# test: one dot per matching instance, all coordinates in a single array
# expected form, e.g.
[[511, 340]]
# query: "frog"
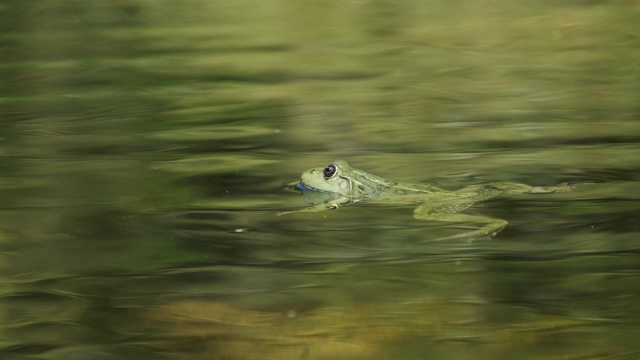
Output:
[[338, 184]]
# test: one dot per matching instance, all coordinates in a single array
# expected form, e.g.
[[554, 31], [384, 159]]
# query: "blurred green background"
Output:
[[145, 148]]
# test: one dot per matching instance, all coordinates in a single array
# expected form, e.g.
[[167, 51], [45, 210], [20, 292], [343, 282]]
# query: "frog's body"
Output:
[[344, 185]]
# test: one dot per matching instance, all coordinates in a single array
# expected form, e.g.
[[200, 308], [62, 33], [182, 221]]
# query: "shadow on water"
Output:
[[146, 147]]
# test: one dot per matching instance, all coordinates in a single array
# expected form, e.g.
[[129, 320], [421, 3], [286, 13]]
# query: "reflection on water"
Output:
[[146, 147]]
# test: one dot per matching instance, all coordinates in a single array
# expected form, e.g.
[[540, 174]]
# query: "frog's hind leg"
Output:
[[515, 188], [448, 210], [449, 213], [491, 226]]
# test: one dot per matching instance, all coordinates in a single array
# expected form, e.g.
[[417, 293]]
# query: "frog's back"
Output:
[[398, 189]]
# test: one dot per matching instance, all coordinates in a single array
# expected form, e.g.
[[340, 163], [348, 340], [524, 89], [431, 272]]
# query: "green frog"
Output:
[[339, 184]]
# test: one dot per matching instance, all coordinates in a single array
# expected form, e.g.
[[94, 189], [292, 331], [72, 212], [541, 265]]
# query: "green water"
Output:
[[145, 148]]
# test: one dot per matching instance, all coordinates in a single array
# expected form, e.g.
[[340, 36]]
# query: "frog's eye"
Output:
[[329, 171]]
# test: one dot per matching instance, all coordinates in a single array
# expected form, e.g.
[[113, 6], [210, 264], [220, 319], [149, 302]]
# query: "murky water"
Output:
[[145, 149]]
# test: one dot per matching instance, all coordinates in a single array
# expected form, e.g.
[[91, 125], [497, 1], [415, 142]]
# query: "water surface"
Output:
[[146, 147]]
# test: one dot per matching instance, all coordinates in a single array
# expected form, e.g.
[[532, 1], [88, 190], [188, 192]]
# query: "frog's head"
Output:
[[338, 178]]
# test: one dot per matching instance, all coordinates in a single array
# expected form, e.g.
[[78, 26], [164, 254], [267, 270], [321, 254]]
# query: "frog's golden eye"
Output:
[[329, 171]]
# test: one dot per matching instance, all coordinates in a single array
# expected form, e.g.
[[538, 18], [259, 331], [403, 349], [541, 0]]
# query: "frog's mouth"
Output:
[[304, 187]]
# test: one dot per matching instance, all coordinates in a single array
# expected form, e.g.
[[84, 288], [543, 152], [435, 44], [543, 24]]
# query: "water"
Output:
[[145, 149]]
